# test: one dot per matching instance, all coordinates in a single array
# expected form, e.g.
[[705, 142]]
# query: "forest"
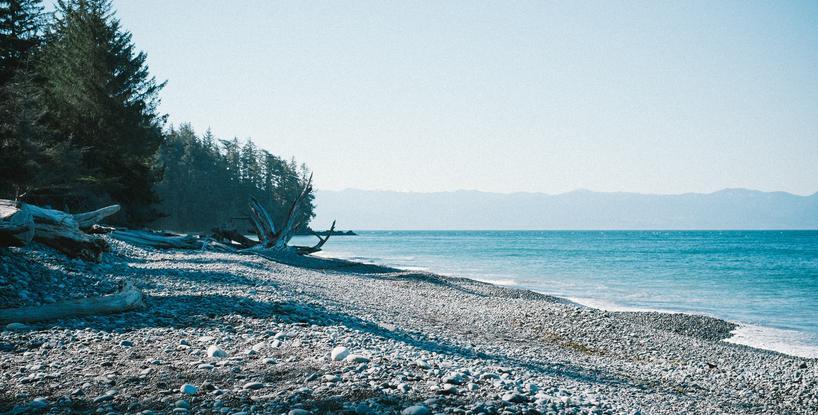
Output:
[[80, 127]]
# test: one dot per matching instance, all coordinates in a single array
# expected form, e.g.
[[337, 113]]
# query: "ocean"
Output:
[[765, 280]]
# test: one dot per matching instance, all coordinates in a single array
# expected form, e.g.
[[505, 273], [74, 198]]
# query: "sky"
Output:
[[507, 96]]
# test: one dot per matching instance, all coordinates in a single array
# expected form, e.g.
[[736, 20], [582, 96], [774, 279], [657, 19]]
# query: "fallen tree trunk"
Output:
[[16, 224], [61, 231], [231, 236], [20, 223], [270, 239], [158, 239], [306, 250], [88, 219], [129, 298]]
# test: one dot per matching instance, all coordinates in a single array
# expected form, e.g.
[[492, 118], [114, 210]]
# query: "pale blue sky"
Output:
[[656, 97]]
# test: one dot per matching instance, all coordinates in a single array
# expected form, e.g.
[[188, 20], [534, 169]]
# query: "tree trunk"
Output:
[[16, 224], [129, 298]]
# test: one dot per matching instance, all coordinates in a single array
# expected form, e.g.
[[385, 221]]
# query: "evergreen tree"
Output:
[[100, 95], [21, 24]]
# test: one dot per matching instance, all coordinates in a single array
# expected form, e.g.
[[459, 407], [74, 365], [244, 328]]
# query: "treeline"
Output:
[[80, 128], [208, 182]]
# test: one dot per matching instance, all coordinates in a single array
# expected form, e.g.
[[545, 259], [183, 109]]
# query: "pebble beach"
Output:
[[241, 334]]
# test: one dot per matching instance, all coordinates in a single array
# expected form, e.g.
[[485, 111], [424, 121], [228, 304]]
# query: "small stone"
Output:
[[126, 343], [339, 353], [332, 378], [39, 403], [258, 347], [253, 385], [416, 410], [205, 366], [268, 361], [447, 389], [188, 389], [182, 403], [215, 352], [514, 397], [184, 342], [299, 411], [453, 378], [422, 364], [356, 358]]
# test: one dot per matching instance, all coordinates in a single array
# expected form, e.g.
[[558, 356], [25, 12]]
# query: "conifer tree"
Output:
[[100, 95]]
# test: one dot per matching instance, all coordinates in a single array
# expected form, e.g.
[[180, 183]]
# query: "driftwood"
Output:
[[20, 223], [269, 238], [306, 250], [233, 237], [158, 239], [129, 298], [87, 220], [61, 231], [16, 224]]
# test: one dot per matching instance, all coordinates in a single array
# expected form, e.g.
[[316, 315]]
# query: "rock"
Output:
[[339, 353], [299, 412], [126, 343], [356, 358], [447, 389], [422, 364], [258, 347], [39, 404], [182, 403], [416, 410], [332, 378], [189, 389], [215, 352], [16, 326], [253, 385], [205, 366], [362, 409], [453, 378], [514, 397], [184, 342]]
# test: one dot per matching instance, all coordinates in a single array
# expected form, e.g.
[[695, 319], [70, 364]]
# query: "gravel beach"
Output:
[[240, 334]]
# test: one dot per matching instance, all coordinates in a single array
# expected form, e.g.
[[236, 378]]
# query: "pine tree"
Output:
[[100, 94], [21, 24]]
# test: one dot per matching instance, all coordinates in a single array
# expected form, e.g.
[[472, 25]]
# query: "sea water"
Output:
[[765, 280]]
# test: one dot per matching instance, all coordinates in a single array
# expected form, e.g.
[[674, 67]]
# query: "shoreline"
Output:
[[752, 335], [413, 339]]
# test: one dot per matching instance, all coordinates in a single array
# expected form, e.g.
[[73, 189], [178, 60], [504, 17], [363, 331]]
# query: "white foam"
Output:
[[505, 283], [785, 341], [791, 342]]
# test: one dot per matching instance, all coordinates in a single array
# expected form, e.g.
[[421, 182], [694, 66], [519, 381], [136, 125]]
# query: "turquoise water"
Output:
[[765, 279]]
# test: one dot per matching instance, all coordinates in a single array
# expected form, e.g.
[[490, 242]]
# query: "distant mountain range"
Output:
[[582, 209]]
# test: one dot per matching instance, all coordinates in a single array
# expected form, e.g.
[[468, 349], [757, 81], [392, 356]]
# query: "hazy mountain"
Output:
[[725, 209]]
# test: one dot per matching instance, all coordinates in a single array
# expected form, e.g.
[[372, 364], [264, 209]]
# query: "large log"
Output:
[[306, 250], [129, 298], [158, 240], [88, 219], [61, 231], [16, 224]]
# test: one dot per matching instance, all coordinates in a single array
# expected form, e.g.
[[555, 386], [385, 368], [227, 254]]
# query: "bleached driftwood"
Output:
[[233, 237], [306, 250], [129, 298], [158, 240], [88, 219], [20, 223], [61, 231], [16, 224], [269, 238]]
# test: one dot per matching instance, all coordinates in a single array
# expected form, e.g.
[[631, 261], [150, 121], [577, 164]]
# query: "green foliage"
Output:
[[207, 184], [79, 128], [99, 95]]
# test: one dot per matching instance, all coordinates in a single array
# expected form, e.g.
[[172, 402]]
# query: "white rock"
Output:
[[188, 389], [416, 410], [215, 352], [339, 353], [258, 347], [356, 358]]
